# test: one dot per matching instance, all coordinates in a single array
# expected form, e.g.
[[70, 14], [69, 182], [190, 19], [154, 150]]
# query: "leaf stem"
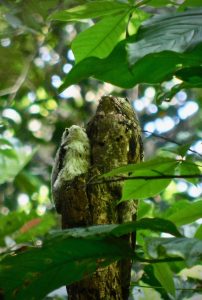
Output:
[[158, 177]]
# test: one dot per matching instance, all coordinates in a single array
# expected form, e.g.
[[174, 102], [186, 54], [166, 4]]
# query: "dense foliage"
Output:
[[57, 59]]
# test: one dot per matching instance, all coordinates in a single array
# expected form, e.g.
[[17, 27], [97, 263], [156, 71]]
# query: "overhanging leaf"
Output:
[[60, 262], [153, 224], [89, 10], [176, 32], [163, 66], [68, 256], [100, 39]]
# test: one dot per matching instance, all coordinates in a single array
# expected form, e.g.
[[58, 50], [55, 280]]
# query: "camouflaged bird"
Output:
[[72, 159]]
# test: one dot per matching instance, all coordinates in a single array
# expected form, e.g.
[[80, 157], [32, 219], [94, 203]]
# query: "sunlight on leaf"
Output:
[[100, 39]]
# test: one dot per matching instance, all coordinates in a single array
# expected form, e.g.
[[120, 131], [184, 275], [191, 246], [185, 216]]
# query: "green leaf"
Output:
[[192, 78], [153, 224], [164, 275], [163, 66], [144, 188], [188, 167], [198, 233], [100, 39], [68, 256], [59, 262], [136, 19], [192, 75], [152, 165], [192, 3], [163, 95], [103, 69], [188, 214], [176, 32], [189, 249], [90, 10], [175, 207], [150, 279], [145, 209]]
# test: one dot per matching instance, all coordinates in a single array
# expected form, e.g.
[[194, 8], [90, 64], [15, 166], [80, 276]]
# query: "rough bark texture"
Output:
[[115, 138]]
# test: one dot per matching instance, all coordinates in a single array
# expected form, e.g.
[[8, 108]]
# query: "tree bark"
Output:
[[115, 139]]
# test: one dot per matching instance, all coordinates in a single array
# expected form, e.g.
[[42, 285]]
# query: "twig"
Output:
[[171, 141], [165, 176], [153, 261], [160, 287]]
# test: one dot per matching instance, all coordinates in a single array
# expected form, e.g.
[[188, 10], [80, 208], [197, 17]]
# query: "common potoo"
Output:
[[72, 159]]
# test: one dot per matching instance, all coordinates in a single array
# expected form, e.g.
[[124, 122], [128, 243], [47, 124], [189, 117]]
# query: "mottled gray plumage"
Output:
[[72, 159]]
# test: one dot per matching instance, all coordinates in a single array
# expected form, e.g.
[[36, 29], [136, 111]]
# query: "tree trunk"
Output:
[[115, 139]]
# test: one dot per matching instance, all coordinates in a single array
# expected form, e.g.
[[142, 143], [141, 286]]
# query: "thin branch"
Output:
[[153, 261], [162, 177], [170, 140], [160, 287]]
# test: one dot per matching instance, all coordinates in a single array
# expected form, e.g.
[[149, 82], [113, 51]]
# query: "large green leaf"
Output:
[[90, 10], [67, 256], [189, 249], [144, 188], [143, 185], [151, 165], [62, 261], [13, 158], [164, 275], [100, 39], [176, 32], [154, 224], [188, 214], [163, 66]]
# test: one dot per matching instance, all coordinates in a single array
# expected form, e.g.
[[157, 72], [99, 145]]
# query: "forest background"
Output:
[[37, 57]]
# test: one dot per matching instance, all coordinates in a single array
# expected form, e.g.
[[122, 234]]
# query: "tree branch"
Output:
[[171, 141]]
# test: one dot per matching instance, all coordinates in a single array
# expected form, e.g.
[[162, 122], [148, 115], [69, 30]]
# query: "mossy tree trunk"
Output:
[[115, 138]]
